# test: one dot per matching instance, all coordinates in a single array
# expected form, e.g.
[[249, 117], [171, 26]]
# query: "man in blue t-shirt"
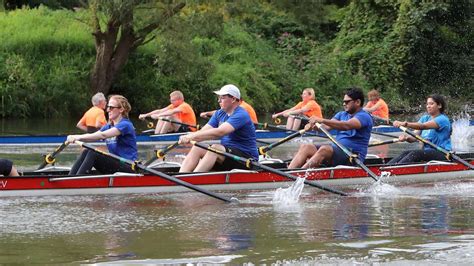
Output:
[[231, 124], [354, 126]]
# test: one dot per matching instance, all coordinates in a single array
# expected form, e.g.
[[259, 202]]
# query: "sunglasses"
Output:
[[112, 107], [347, 101]]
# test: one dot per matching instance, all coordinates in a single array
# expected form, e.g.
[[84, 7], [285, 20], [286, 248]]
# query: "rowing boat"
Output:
[[56, 181], [153, 139]]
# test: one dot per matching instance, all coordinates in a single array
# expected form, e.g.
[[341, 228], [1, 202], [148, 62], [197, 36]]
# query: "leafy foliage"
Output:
[[270, 49]]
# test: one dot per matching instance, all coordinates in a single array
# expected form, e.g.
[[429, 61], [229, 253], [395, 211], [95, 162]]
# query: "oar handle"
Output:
[[135, 165], [249, 162], [50, 158], [160, 154]]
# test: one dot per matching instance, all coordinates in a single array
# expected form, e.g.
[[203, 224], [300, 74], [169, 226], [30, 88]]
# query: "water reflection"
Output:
[[405, 225]]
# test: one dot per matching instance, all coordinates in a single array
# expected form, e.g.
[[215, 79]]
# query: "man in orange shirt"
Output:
[[178, 111], [94, 118], [376, 105], [243, 104], [307, 108]]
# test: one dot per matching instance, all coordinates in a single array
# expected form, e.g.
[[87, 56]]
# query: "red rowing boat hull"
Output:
[[50, 184]]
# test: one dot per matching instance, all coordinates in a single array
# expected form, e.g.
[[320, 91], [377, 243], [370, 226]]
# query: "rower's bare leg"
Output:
[[289, 122], [159, 126], [192, 159], [14, 172], [175, 127], [304, 152], [296, 124], [324, 153], [167, 127], [208, 161]]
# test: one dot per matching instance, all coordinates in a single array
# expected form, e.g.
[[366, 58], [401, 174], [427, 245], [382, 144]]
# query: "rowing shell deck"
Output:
[[57, 183]]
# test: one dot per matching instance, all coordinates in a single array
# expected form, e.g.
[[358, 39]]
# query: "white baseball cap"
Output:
[[229, 89]]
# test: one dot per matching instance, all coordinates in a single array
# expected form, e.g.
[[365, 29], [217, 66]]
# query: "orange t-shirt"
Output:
[[250, 110], [382, 111], [313, 108], [186, 114], [93, 116]]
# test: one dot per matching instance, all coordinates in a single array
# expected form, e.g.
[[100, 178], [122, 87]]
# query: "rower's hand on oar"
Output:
[[399, 123], [72, 138], [206, 115], [403, 137], [185, 139], [312, 122], [142, 116]]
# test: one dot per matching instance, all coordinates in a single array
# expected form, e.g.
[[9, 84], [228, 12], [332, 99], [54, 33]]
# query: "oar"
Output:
[[449, 154], [180, 123], [379, 143], [383, 134], [150, 124], [267, 126], [264, 149], [352, 157], [249, 162], [50, 158], [162, 152], [135, 165]]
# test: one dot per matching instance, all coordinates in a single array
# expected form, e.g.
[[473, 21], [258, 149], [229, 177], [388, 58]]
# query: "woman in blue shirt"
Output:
[[119, 135], [434, 127]]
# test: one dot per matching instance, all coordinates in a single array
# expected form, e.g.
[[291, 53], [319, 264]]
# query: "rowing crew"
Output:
[[233, 125]]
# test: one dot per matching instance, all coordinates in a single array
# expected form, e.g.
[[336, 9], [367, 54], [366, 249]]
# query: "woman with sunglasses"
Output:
[[433, 126], [119, 135]]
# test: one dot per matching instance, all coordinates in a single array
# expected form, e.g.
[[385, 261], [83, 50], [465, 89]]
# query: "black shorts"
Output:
[[229, 163], [183, 128], [5, 167], [338, 157]]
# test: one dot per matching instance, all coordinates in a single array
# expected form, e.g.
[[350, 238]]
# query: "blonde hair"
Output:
[[123, 102], [310, 91], [178, 94], [374, 93]]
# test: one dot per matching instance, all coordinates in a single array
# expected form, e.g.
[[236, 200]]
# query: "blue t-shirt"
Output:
[[125, 144], [243, 137], [440, 136], [357, 140]]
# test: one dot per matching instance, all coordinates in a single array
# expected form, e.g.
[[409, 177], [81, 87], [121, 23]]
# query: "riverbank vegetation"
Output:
[[270, 49]]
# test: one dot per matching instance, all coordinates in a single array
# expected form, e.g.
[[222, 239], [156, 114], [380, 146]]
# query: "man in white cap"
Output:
[[231, 124]]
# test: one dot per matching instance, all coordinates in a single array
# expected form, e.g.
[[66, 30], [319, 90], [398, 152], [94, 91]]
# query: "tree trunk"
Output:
[[112, 53], [111, 56]]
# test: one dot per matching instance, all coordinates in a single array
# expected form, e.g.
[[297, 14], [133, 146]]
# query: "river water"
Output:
[[424, 224]]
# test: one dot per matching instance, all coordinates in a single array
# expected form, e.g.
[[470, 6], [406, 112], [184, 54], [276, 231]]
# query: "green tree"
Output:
[[119, 27]]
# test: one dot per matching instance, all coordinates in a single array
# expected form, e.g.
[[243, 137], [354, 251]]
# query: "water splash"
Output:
[[290, 195], [462, 133], [381, 188]]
